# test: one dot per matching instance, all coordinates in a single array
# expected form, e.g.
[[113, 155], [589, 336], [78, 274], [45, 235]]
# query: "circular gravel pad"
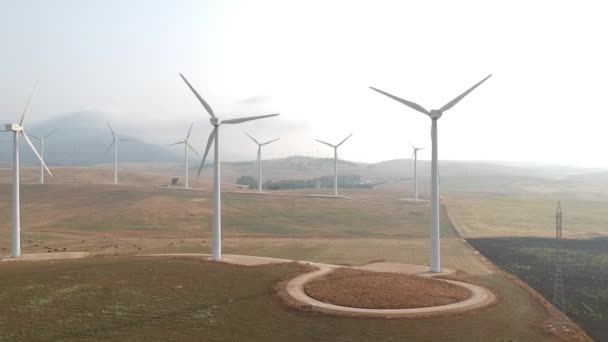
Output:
[[372, 290]]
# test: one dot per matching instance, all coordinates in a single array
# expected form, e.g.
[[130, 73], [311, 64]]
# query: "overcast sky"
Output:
[[313, 61]]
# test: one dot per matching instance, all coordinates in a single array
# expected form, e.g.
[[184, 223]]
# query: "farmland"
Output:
[[584, 265]]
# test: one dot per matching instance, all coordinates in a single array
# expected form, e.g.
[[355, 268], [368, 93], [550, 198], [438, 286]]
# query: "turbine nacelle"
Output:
[[435, 114], [215, 121], [14, 127]]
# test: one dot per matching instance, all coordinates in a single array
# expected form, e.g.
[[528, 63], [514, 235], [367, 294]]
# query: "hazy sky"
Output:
[[313, 61]]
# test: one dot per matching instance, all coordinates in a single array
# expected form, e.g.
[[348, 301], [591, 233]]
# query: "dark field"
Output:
[[585, 273], [170, 299]]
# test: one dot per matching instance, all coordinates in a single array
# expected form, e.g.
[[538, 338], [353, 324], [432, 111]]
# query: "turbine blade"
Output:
[[410, 104], [326, 143], [189, 131], [127, 140], [209, 142], [109, 147], [342, 142], [35, 137], [413, 154], [249, 118], [177, 143], [29, 142], [252, 138], [48, 135], [207, 106], [192, 149], [27, 105], [111, 130], [456, 100], [271, 141]]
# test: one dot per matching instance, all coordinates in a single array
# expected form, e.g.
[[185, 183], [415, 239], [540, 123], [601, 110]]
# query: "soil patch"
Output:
[[373, 290]]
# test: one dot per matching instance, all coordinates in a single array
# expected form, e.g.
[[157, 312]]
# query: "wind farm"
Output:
[[335, 147], [434, 115], [415, 158], [216, 122], [158, 225], [187, 147], [260, 179], [114, 145], [18, 129], [42, 141]]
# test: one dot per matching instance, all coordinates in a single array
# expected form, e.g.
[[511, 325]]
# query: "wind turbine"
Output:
[[214, 139], [42, 145], [18, 128], [186, 146], [114, 143], [335, 161], [415, 157], [260, 158], [434, 114]]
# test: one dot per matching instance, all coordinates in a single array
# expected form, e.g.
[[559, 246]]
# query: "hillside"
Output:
[[82, 138]]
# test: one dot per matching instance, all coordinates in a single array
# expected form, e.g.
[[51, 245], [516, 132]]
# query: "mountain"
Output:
[[82, 138]]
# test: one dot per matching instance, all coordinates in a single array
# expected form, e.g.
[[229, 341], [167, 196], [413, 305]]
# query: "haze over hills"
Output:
[[467, 176], [82, 138]]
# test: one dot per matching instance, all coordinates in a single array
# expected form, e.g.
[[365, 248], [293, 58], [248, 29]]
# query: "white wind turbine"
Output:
[[335, 161], [114, 143], [434, 114], [214, 139], [415, 157], [42, 146], [18, 128], [186, 146], [260, 158]]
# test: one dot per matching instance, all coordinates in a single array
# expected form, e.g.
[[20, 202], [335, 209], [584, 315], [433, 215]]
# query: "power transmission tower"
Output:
[[558, 221], [559, 298]]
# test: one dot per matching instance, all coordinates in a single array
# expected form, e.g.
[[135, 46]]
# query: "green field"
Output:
[[584, 265]]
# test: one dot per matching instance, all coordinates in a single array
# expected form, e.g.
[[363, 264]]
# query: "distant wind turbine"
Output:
[[214, 139], [434, 114], [260, 158], [114, 143], [186, 147], [42, 146], [335, 161], [16, 210], [415, 157]]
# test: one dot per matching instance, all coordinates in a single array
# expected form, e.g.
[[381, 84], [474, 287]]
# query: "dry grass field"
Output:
[[116, 222], [584, 216], [179, 299]]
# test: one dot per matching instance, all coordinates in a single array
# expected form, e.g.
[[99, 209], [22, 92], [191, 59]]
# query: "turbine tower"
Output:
[[42, 145], [434, 114], [114, 143], [260, 158], [415, 157], [214, 139], [335, 161], [18, 128], [186, 147]]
